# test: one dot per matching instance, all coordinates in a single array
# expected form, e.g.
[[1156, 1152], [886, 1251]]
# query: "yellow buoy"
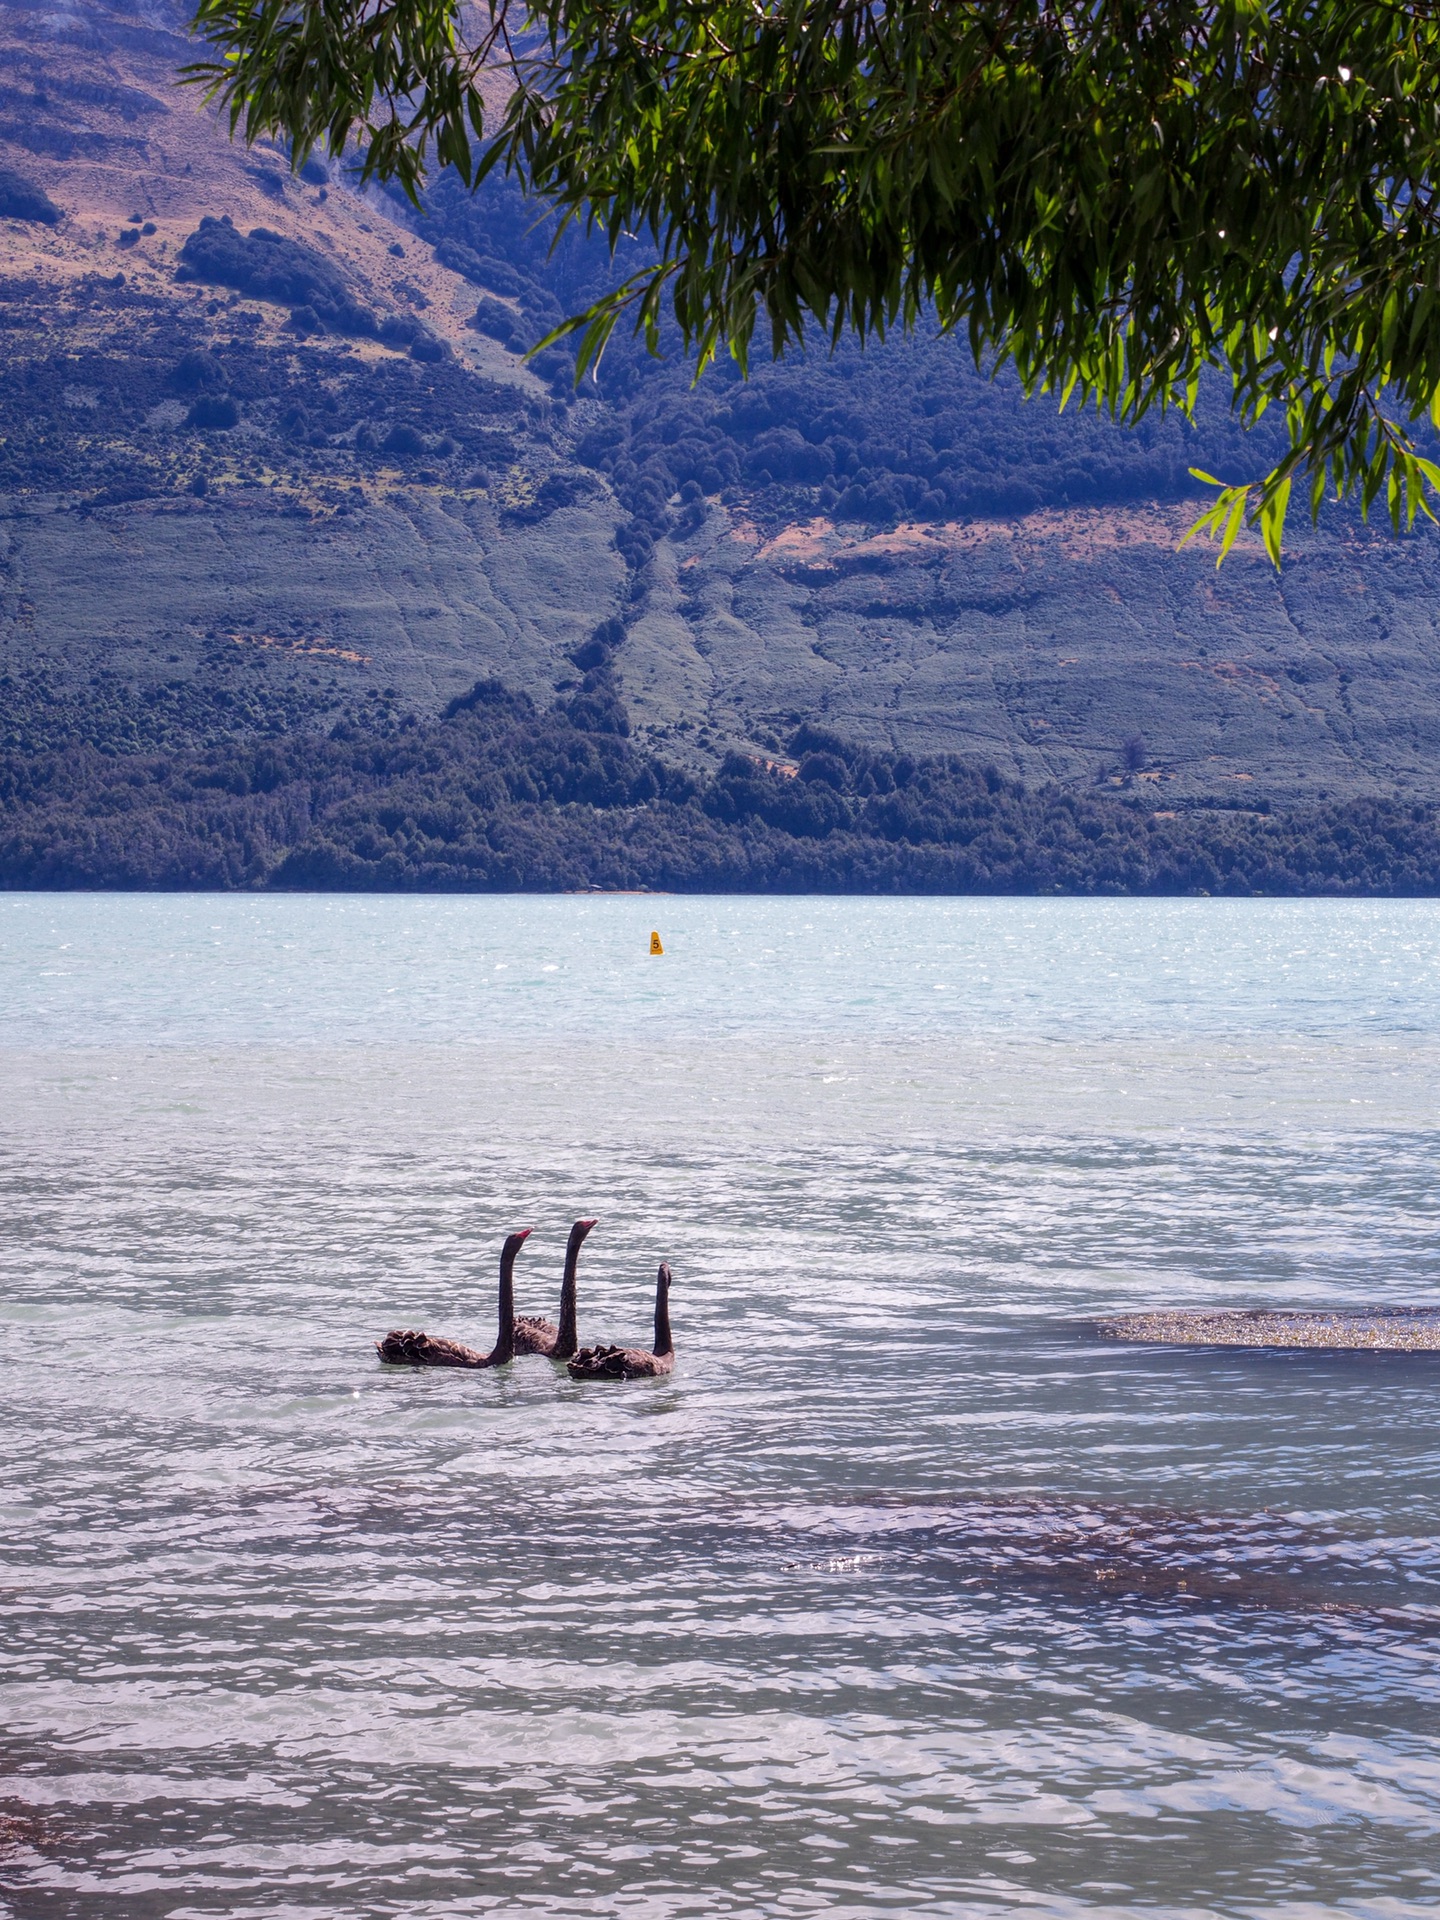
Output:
[[655, 946]]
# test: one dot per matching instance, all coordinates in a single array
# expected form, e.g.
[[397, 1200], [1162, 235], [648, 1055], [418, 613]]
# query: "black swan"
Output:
[[633, 1363], [543, 1336], [407, 1348]]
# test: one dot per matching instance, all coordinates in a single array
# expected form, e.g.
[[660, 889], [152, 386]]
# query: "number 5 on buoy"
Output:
[[655, 946]]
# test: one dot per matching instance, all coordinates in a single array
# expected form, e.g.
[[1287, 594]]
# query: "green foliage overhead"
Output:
[[1111, 197]]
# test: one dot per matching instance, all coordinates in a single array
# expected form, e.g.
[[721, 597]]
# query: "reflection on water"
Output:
[[904, 1593]]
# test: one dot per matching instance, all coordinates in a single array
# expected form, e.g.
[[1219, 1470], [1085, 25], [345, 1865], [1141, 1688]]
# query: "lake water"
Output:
[[904, 1595]]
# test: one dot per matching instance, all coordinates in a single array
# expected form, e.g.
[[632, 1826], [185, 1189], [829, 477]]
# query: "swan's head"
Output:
[[515, 1242], [579, 1231], [664, 1275]]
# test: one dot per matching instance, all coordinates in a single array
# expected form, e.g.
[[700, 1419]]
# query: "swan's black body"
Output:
[[633, 1363], [407, 1347]]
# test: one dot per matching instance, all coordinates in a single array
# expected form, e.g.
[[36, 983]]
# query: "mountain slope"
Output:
[[192, 470], [271, 462]]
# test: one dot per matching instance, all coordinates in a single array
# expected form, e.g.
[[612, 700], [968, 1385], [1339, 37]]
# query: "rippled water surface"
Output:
[[904, 1594]]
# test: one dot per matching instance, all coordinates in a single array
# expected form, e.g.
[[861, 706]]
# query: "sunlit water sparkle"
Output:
[[903, 1594]]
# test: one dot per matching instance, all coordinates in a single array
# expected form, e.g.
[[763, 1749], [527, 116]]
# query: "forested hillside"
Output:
[[496, 796], [904, 429]]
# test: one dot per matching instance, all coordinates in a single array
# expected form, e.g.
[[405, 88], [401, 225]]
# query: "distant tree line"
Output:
[[497, 795]]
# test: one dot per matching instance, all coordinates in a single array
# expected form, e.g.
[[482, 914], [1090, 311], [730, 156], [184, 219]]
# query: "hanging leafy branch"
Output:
[[1112, 197]]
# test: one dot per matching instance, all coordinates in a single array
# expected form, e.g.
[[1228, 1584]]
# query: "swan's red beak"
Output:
[[523, 1234]]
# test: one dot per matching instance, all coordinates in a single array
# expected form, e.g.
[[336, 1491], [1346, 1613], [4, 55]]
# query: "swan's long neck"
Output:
[[566, 1342], [663, 1343], [505, 1335]]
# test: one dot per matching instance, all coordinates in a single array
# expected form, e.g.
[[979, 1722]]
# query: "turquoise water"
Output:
[[903, 1594], [91, 969]]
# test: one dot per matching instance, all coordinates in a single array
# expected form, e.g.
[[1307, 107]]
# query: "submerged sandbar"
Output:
[[1375, 1329]]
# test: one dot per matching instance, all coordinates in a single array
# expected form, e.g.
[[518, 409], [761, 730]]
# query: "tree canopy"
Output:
[[1112, 197]]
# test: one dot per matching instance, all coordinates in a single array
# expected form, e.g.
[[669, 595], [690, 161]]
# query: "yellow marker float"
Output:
[[655, 946]]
